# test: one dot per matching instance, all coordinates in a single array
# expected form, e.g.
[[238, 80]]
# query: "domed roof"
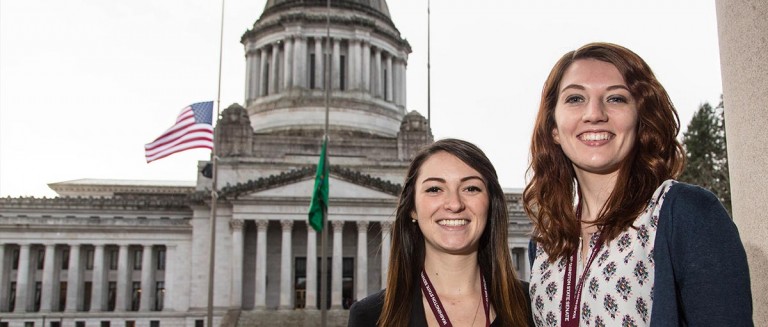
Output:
[[377, 7]]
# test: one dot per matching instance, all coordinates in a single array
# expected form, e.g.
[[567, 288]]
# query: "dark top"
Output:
[[365, 313], [701, 277]]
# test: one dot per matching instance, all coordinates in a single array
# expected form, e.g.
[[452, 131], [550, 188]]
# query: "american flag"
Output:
[[193, 129]]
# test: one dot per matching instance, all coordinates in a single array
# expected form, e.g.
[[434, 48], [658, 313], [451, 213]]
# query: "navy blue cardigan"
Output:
[[701, 272]]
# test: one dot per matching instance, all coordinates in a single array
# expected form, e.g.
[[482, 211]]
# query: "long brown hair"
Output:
[[407, 253], [656, 155]]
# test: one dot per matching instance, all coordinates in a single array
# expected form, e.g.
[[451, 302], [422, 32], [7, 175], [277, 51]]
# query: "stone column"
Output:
[[378, 82], [249, 82], [46, 296], [4, 282], [147, 282], [742, 28], [288, 63], [74, 280], [389, 78], [255, 75], [263, 84], [261, 264], [319, 72], [336, 265], [274, 77], [236, 226], [336, 64], [399, 81], [300, 62], [99, 284], [123, 282], [285, 265], [22, 279], [170, 302], [354, 57], [362, 260], [386, 236], [311, 291], [366, 66], [403, 84]]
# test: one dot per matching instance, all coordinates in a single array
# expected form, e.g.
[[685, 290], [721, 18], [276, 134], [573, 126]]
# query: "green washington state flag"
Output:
[[319, 204]]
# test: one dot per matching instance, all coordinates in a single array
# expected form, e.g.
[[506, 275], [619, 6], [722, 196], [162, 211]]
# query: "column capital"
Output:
[[147, 246], [386, 225], [236, 224], [286, 224], [338, 225], [362, 226], [262, 224]]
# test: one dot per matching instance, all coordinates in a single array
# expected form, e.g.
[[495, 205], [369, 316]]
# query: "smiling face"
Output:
[[451, 205], [595, 117]]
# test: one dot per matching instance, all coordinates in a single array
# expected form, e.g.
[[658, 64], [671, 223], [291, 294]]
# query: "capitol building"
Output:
[[118, 253]]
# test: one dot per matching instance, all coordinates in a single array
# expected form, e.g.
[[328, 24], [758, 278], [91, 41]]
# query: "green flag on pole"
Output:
[[319, 203]]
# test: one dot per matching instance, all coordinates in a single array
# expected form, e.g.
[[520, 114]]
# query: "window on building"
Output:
[[265, 87], [15, 263], [312, 71], [161, 259], [89, 259], [342, 72], [199, 323], [87, 289], [130, 323], [62, 295], [113, 259], [154, 323], [105, 323], [300, 282], [159, 295], [3, 324], [29, 324], [135, 296], [55, 323], [40, 258], [348, 282], [111, 296], [384, 82], [38, 293], [65, 259], [79, 323], [137, 259], [518, 256], [12, 297]]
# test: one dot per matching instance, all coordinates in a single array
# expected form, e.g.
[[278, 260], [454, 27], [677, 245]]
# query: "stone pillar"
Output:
[[311, 291], [300, 62], [249, 82], [236, 226], [288, 63], [389, 79], [378, 79], [147, 282], [74, 280], [319, 71], [354, 57], [285, 265], [742, 29], [4, 280], [47, 296], [386, 236], [169, 294], [263, 84], [255, 75], [99, 283], [261, 264], [123, 282], [403, 84], [362, 260], [336, 265], [274, 77], [336, 64], [22, 279], [366, 66]]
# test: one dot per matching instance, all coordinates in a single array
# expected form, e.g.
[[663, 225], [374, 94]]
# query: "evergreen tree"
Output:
[[707, 152]]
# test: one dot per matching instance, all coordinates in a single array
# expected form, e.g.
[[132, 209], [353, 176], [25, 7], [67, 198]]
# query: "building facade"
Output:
[[134, 253]]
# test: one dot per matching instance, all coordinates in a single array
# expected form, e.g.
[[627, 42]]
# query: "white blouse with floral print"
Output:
[[618, 290]]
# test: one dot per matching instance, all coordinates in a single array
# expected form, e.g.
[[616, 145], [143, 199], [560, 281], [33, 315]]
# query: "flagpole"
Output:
[[214, 192], [324, 232], [429, 91]]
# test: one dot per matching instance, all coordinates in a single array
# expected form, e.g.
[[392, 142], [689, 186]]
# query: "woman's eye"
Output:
[[432, 189], [473, 189], [617, 99], [574, 99]]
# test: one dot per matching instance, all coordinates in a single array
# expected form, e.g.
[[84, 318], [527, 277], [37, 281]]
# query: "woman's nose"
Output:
[[594, 112], [453, 202]]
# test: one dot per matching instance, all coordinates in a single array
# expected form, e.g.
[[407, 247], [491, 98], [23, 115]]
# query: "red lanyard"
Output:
[[437, 306], [571, 301]]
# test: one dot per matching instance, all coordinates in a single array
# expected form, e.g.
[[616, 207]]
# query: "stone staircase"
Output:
[[287, 318]]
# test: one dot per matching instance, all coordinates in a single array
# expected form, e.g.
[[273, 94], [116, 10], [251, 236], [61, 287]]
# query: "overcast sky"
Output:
[[84, 84]]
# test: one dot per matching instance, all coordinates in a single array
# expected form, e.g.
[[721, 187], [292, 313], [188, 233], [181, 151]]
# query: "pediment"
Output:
[[338, 189]]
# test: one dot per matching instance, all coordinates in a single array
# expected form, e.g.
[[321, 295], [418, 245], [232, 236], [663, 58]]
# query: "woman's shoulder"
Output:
[[366, 311], [687, 202]]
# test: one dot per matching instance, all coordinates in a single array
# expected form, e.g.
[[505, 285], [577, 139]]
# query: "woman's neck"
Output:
[[453, 275], [595, 190]]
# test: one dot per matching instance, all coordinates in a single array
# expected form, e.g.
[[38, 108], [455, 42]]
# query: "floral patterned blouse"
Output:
[[618, 290]]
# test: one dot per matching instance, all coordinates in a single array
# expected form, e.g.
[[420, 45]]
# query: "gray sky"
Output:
[[84, 84]]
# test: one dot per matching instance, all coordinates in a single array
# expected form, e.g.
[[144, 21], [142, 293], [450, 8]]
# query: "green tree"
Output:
[[707, 152]]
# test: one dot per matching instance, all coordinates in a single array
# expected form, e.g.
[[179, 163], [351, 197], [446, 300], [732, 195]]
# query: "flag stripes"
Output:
[[193, 129]]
